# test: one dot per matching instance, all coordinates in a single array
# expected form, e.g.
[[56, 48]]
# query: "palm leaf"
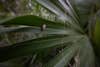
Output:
[[64, 57], [31, 21], [31, 46], [57, 34]]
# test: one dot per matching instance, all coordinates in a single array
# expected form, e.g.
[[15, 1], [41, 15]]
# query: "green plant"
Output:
[[69, 33]]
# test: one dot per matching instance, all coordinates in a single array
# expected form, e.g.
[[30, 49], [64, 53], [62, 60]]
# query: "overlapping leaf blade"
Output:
[[85, 59], [31, 20], [47, 31], [32, 46], [64, 57]]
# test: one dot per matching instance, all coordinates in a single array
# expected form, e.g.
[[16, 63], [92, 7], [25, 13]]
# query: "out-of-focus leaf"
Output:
[[83, 9], [86, 55], [96, 34], [97, 4]]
